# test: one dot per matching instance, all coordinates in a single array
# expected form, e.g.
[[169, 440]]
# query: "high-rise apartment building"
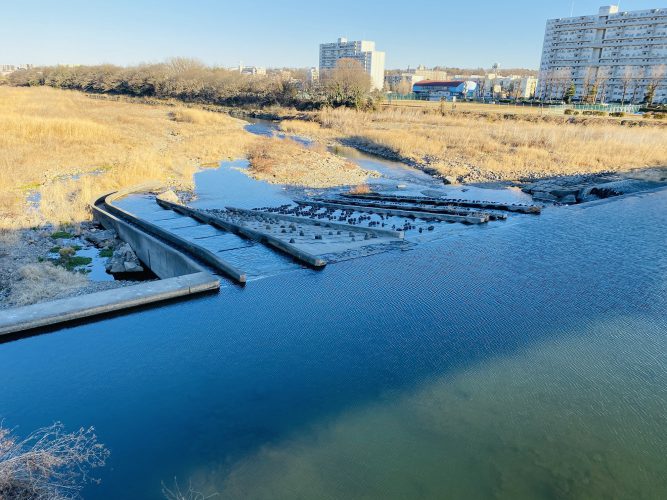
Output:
[[361, 50], [610, 57]]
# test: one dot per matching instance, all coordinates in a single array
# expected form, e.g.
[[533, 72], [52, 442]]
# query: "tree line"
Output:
[[189, 80]]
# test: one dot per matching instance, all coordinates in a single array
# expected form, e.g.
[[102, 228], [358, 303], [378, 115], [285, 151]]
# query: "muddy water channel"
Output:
[[523, 358]]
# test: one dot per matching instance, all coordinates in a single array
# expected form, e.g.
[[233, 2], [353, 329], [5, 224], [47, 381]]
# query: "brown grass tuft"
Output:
[[43, 281], [360, 189]]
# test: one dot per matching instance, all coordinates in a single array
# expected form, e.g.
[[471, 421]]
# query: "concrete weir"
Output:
[[489, 205], [465, 219], [267, 239], [305, 220], [182, 244]]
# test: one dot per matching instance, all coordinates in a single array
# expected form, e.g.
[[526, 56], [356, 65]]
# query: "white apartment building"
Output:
[[361, 50], [611, 57], [494, 86]]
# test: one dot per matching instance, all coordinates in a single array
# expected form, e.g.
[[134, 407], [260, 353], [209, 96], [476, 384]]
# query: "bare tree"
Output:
[[404, 87], [636, 84], [602, 81], [657, 76], [626, 79], [590, 85], [348, 84], [49, 464], [561, 79]]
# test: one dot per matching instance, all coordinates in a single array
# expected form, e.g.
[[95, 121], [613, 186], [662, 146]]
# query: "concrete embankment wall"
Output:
[[21, 319], [162, 259], [180, 276]]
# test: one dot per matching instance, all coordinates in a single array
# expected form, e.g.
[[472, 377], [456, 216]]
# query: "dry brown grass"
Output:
[[50, 135], [474, 107], [477, 147], [360, 189], [300, 127], [283, 161], [42, 281]]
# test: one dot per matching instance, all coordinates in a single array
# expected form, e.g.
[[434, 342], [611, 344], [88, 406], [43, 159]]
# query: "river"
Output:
[[524, 359]]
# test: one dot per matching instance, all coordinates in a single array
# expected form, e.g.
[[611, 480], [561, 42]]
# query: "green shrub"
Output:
[[75, 261], [106, 252], [591, 112], [617, 114], [62, 234]]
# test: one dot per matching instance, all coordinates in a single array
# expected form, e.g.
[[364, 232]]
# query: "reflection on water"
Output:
[[582, 417]]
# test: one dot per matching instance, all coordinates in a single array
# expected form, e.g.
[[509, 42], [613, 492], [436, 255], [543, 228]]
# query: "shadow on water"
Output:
[[355, 373]]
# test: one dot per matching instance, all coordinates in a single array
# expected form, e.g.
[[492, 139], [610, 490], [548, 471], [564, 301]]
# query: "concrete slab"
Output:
[[34, 316]]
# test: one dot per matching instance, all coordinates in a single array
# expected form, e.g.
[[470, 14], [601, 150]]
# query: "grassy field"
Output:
[[67, 148], [485, 147], [472, 107]]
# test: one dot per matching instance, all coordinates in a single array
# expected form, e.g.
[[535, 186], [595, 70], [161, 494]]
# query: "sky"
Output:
[[282, 33]]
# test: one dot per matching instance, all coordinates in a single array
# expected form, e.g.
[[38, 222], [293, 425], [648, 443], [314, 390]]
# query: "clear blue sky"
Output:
[[276, 33]]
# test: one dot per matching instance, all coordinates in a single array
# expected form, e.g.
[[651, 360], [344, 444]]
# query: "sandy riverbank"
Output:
[[283, 161]]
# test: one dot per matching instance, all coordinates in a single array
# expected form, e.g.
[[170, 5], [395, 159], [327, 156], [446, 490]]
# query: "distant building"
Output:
[[313, 75], [251, 70], [612, 56], [6, 69], [433, 90], [493, 86], [428, 74], [363, 51], [411, 76], [394, 81]]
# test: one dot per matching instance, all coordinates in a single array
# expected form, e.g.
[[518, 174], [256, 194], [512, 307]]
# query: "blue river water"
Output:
[[521, 360]]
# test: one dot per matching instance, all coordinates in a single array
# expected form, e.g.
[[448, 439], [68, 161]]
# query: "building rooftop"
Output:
[[437, 83]]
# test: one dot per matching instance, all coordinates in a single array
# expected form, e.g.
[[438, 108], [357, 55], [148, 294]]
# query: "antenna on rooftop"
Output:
[[572, 8]]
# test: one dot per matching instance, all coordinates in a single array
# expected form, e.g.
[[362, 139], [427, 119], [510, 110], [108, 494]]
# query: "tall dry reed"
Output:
[[64, 149]]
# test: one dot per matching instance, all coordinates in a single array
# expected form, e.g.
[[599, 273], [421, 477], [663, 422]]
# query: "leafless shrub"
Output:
[[49, 464], [175, 493]]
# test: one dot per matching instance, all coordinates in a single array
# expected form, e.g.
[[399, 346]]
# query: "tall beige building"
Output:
[[611, 57], [361, 50]]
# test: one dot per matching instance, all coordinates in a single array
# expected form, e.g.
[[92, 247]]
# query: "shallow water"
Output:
[[526, 359]]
